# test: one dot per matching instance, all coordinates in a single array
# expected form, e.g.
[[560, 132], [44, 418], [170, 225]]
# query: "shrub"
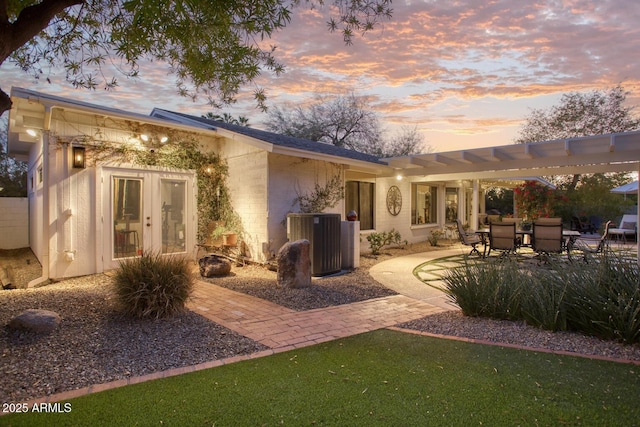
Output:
[[600, 298], [487, 289], [153, 285], [606, 300], [544, 302], [435, 236], [378, 240]]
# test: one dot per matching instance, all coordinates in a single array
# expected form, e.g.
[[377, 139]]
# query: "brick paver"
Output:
[[277, 327]]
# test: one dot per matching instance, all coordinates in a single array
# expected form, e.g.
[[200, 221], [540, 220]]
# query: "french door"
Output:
[[146, 211]]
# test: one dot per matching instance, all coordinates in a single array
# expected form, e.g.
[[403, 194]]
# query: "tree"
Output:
[[343, 121], [577, 115], [581, 114], [13, 173], [407, 141], [227, 118], [214, 47]]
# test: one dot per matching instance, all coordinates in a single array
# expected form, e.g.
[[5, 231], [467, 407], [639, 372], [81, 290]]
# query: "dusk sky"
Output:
[[465, 73]]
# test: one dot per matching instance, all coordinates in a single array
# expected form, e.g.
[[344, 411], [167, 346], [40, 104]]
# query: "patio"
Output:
[[433, 270]]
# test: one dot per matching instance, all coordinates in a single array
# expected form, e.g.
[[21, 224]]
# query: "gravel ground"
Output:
[[96, 344]]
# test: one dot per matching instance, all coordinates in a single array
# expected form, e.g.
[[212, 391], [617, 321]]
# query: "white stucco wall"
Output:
[[14, 222], [384, 221], [247, 183], [35, 193], [290, 177], [72, 210]]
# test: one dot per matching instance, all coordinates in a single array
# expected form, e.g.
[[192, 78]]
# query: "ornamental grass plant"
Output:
[[486, 289], [599, 298], [153, 285]]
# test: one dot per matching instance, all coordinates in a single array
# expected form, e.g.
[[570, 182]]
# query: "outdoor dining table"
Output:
[[571, 235]]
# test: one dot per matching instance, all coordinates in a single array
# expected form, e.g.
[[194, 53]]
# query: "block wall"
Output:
[[289, 178], [247, 181], [14, 222]]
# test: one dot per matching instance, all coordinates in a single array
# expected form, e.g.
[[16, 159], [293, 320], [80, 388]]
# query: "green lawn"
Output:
[[379, 378]]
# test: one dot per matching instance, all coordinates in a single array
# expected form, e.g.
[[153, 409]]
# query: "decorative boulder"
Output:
[[40, 321], [213, 265], [294, 264]]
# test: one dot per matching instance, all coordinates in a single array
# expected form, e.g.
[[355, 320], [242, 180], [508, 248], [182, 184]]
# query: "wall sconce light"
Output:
[[78, 157], [164, 139], [144, 137], [32, 132]]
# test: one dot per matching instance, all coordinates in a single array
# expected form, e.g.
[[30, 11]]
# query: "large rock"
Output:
[[294, 264], [213, 265], [40, 321]]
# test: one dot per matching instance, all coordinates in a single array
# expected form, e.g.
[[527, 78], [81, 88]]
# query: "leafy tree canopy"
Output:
[[581, 114], [213, 47], [13, 173], [584, 114], [344, 121]]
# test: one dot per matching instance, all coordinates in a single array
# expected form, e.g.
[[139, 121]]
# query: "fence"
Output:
[[14, 222]]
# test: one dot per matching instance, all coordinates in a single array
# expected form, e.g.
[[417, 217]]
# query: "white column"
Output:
[[475, 205]]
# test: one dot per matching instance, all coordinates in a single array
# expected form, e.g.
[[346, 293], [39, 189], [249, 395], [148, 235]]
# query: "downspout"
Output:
[[45, 202]]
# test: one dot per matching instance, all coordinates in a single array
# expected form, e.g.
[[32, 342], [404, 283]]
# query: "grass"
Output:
[[379, 378]]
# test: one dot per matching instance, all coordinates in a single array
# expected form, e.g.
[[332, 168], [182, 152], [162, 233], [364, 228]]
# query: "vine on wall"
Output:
[[323, 196], [181, 152]]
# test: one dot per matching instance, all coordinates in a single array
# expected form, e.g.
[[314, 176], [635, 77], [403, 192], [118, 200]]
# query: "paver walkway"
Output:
[[278, 327]]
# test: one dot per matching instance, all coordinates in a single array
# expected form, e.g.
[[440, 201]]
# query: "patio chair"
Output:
[[581, 226], [470, 239], [628, 227], [583, 245], [547, 238], [554, 220], [502, 237], [518, 223]]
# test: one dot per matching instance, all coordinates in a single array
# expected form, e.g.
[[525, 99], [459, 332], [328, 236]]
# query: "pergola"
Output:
[[618, 152]]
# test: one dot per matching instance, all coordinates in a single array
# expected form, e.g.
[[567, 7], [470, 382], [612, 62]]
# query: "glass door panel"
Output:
[[127, 217], [173, 198]]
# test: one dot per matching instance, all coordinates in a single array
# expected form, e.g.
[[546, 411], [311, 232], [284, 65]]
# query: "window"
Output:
[[127, 199], [424, 204], [359, 198], [173, 194], [451, 201]]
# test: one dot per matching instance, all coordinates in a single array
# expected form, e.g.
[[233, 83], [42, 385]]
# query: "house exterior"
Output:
[[86, 217], [90, 208]]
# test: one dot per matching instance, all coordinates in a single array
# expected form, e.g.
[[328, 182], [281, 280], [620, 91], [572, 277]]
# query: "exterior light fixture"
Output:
[[78, 157], [399, 177], [164, 139], [144, 137], [32, 132]]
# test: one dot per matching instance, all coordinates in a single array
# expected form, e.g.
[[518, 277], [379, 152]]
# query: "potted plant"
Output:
[[224, 235]]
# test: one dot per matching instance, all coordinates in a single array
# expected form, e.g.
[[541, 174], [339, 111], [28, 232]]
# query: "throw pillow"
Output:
[[628, 225]]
